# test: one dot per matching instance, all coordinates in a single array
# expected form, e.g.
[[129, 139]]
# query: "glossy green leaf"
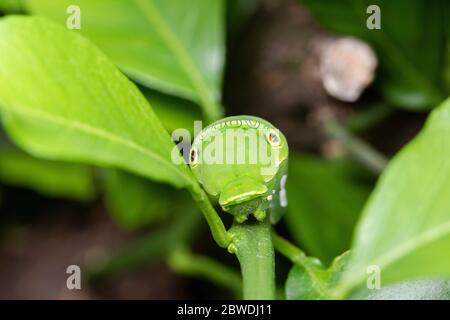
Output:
[[405, 227], [447, 32], [174, 46], [408, 27], [174, 113], [325, 199], [311, 281], [306, 283], [61, 98], [409, 290], [51, 178], [11, 5], [135, 202]]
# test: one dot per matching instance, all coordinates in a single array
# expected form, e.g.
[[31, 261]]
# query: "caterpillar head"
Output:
[[239, 160]]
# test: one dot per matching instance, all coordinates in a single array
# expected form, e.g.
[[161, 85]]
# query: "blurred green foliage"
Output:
[[177, 48], [11, 6], [116, 126], [238, 12], [50, 178], [135, 202], [405, 226], [325, 200], [174, 112], [410, 45]]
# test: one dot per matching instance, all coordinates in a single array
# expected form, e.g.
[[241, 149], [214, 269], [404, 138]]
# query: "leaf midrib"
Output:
[[154, 18], [406, 247], [301, 261], [401, 251]]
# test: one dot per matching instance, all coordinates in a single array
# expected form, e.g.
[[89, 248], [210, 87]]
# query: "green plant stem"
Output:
[[252, 244], [152, 248], [216, 225], [361, 151], [299, 258], [211, 109], [290, 251], [186, 263]]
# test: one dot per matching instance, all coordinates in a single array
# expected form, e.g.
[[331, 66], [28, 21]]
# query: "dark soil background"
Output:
[[270, 74]]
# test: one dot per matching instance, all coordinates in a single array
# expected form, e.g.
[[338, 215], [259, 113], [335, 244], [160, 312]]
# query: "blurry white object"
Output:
[[347, 67]]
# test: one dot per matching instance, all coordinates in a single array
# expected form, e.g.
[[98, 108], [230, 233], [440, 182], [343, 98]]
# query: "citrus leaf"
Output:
[[325, 199], [173, 46], [50, 178], [405, 227], [61, 98], [174, 113], [135, 202], [311, 281], [11, 5], [426, 289]]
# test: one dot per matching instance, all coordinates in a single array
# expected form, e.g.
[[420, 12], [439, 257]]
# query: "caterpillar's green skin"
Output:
[[243, 188]]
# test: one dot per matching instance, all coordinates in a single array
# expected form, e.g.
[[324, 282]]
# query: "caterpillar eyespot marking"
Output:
[[273, 138], [193, 157]]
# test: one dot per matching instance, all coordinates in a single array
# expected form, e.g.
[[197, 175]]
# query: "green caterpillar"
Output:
[[242, 162]]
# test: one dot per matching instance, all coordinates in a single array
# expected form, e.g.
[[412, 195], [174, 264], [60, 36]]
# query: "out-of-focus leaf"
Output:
[[311, 281], [447, 32], [238, 11], [408, 27], [152, 248], [368, 117], [51, 178], [408, 290], [11, 6], [405, 227], [174, 46], [135, 202], [184, 262], [174, 113], [61, 98], [325, 199]]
